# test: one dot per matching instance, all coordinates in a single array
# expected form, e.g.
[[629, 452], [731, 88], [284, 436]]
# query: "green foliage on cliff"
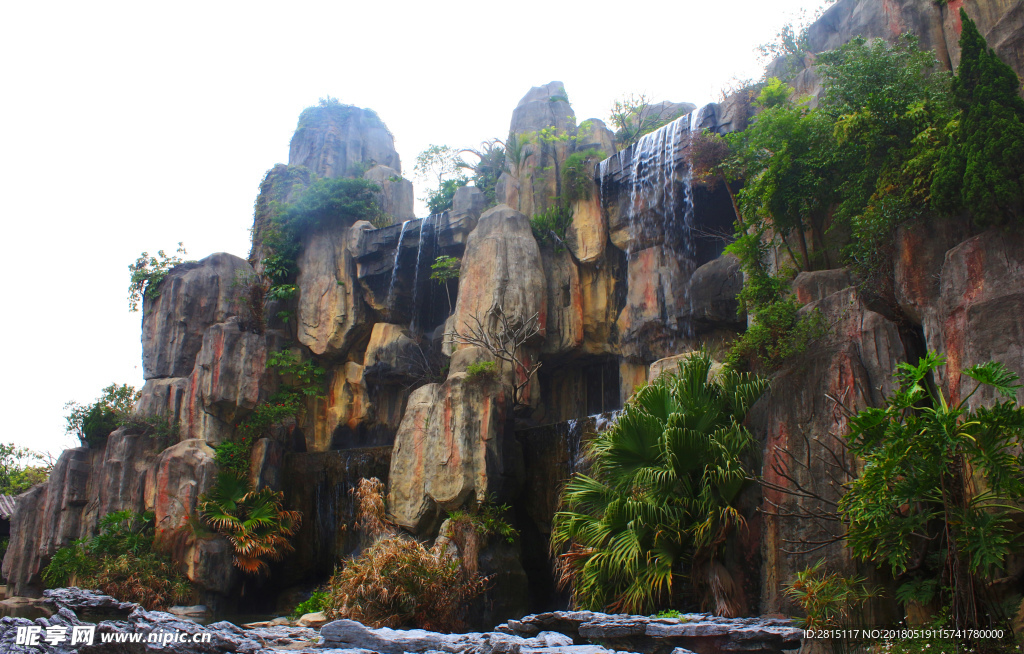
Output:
[[146, 274], [982, 171], [939, 478], [550, 225], [301, 380], [577, 184], [778, 330], [661, 492], [634, 115], [120, 561], [440, 199], [21, 469], [92, 423]]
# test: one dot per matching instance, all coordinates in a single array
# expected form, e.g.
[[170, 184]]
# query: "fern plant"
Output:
[[660, 495]]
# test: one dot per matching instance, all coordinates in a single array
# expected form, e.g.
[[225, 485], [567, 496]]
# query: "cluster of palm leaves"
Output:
[[253, 521], [658, 500]]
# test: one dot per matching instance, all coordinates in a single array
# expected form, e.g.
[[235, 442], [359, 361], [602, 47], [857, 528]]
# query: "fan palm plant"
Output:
[[659, 495], [254, 522]]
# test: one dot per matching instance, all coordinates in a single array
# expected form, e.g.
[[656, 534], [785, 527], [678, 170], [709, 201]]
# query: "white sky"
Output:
[[131, 126]]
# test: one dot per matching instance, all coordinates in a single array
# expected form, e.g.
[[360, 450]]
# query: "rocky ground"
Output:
[[561, 632]]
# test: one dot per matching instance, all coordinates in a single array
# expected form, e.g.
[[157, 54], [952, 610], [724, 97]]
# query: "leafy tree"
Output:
[[444, 165], [441, 199], [254, 522], [982, 171], [634, 115], [489, 167], [443, 270], [92, 423], [21, 469], [940, 477], [146, 274], [660, 495]]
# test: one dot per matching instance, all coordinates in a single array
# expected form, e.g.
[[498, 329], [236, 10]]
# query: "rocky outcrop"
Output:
[[333, 140], [565, 303], [501, 271], [451, 447], [853, 363], [537, 179], [331, 312], [230, 377], [566, 631], [21, 562], [977, 317], [280, 186], [191, 297], [654, 303], [711, 296], [396, 195]]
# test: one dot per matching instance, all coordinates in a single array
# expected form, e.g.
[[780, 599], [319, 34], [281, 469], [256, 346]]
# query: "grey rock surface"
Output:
[[191, 297]]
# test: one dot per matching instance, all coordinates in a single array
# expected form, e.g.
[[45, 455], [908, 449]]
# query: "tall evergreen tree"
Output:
[[982, 170]]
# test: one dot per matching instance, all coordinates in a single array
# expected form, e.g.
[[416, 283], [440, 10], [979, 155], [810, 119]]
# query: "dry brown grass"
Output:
[[397, 581]]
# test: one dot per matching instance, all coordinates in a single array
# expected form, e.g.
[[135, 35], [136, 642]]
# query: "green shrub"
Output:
[[550, 225], [480, 371], [120, 561], [577, 184], [661, 490], [487, 519], [21, 469], [440, 200], [317, 602], [92, 423], [939, 478], [146, 274], [780, 332]]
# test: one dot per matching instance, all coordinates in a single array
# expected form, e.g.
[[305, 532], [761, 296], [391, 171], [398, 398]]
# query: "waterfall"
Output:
[[416, 273], [394, 268], [652, 184]]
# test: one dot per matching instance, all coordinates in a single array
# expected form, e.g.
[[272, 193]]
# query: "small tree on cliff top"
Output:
[[982, 170]]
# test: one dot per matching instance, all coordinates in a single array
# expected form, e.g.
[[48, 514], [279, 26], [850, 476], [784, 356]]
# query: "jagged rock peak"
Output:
[[333, 139]]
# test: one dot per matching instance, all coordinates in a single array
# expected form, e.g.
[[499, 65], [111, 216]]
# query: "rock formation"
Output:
[[638, 280]]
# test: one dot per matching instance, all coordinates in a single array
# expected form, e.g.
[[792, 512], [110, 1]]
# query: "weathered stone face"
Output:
[[451, 447], [332, 143], [396, 194], [920, 252], [852, 363], [501, 269], [654, 303], [192, 297], [565, 303], [538, 180], [180, 474], [346, 405], [331, 311], [226, 384], [978, 315]]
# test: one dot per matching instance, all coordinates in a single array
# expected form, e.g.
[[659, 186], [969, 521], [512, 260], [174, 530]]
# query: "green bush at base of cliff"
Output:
[[120, 562], [661, 494]]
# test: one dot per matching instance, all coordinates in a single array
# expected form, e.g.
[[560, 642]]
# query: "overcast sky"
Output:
[[131, 126]]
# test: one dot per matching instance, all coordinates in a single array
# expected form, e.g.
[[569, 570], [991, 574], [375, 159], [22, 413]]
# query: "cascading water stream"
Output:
[[416, 274], [394, 267]]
